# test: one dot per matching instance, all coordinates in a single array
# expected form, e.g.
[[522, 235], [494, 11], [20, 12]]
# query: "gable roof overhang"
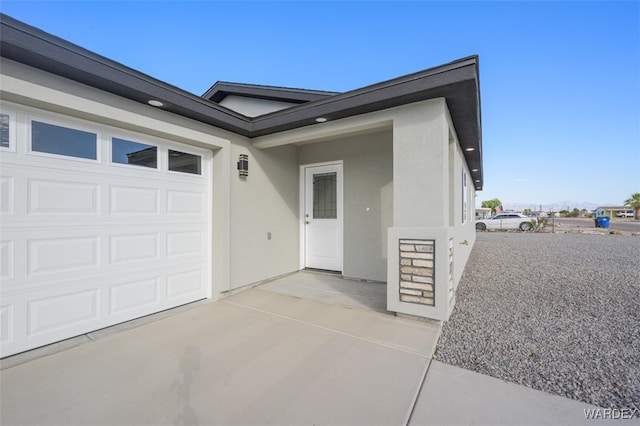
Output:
[[222, 89], [457, 82]]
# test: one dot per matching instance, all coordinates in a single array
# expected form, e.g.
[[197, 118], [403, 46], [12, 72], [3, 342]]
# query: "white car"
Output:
[[625, 213], [506, 221]]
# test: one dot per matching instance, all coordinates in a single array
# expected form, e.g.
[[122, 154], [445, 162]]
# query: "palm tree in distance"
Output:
[[634, 202]]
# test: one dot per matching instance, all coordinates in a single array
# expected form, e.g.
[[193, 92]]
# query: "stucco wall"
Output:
[[368, 196], [420, 168], [267, 201], [253, 107], [462, 231]]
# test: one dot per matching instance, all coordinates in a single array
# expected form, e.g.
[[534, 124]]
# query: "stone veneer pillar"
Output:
[[417, 271]]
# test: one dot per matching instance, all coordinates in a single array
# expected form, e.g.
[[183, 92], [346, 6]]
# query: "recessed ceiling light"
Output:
[[469, 149], [155, 103], [474, 170], [477, 180], [320, 120]]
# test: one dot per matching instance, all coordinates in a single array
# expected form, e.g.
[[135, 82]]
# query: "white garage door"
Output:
[[99, 226]]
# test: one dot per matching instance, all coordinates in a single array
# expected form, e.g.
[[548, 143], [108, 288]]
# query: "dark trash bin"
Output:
[[602, 222]]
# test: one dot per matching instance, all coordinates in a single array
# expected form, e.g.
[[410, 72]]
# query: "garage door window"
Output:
[[134, 153], [60, 140], [184, 162], [5, 142]]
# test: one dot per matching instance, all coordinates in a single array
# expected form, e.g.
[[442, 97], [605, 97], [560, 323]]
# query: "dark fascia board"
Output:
[[457, 82], [428, 84], [222, 89]]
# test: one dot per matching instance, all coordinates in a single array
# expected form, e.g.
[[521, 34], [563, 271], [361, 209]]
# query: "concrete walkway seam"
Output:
[[414, 400], [328, 329]]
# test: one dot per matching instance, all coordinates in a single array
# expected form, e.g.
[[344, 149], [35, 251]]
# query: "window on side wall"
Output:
[[464, 197]]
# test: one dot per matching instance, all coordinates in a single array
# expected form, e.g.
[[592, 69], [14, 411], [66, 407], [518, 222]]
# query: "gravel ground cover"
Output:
[[555, 312]]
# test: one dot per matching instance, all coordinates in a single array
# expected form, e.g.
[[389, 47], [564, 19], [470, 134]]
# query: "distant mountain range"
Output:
[[556, 207]]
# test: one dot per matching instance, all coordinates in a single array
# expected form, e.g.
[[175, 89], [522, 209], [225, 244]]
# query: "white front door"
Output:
[[322, 217]]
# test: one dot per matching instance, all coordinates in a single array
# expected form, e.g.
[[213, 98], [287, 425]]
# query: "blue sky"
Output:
[[560, 81]]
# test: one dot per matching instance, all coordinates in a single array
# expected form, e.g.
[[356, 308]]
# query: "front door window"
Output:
[[325, 204]]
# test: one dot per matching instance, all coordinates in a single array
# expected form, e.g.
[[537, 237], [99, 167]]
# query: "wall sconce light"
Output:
[[243, 166]]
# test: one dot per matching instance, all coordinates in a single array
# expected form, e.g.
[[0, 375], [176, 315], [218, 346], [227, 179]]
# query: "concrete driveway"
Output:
[[257, 357], [263, 356]]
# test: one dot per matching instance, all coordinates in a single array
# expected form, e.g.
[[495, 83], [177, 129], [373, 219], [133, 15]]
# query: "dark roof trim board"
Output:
[[457, 82], [222, 89]]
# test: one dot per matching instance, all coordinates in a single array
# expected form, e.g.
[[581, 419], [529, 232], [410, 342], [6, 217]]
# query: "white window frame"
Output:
[[139, 140], [70, 124], [12, 130], [173, 147]]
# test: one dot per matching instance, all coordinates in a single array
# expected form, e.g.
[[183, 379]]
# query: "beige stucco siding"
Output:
[[252, 107], [368, 196], [266, 202], [462, 231], [420, 174]]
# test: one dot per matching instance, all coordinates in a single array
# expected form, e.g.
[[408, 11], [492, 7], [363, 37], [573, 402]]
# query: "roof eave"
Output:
[[457, 82], [222, 89]]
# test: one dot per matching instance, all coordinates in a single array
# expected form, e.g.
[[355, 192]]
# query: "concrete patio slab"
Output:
[[399, 333], [333, 289], [257, 357], [455, 396]]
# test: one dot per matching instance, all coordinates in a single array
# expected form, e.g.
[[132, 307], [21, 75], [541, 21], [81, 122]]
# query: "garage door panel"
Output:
[[184, 283], [37, 319], [7, 257], [6, 195], [185, 203], [13, 264], [185, 243], [7, 320], [88, 244], [131, 200], [134, 247], [63, 254], [134, 297], [41, 256], [51, 314], [60, 256], [63, 197]]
